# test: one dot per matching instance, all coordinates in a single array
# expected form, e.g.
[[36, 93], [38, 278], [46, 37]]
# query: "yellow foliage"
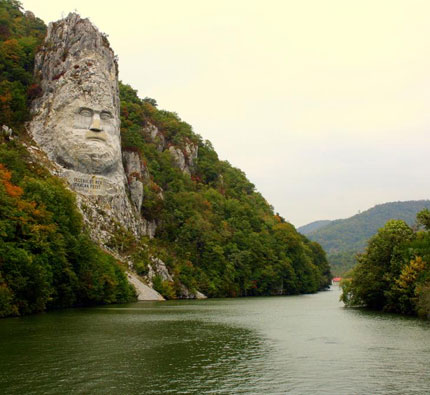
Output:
[[411, 272]]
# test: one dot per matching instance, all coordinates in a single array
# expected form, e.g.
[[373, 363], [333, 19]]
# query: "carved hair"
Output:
[[75, 54]]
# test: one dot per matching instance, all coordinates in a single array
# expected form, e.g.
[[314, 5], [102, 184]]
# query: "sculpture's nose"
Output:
[[95, 123]]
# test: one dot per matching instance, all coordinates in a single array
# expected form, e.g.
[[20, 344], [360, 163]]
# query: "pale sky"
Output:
[[323, 104]]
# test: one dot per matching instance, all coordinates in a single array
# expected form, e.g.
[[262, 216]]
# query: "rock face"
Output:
[[137, 177], [155, 136], [77, 117], [184, 158], [76, 121], [158, 268]]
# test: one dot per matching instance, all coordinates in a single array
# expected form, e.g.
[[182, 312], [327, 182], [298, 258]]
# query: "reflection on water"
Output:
[[298, 344]]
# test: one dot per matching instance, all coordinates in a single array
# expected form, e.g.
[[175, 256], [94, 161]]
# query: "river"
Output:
[[269, 345]]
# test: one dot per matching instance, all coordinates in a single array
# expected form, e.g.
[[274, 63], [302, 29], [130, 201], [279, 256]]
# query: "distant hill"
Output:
[[343, 238], [313, 226]]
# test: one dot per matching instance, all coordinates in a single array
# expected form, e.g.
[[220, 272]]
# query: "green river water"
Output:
[[275, 345]]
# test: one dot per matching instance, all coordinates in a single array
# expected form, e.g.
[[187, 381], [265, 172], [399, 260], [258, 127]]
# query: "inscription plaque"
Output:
[[90, 185]]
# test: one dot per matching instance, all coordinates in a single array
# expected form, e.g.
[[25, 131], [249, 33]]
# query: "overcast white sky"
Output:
[[323, 104]]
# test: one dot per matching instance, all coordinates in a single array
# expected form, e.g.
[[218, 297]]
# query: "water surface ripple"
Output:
[[274, 345]]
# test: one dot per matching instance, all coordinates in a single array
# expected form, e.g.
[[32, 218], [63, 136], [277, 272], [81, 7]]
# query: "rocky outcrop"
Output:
[[191, 152], [76, 122], [150, 227], [155, 136], [186, 294], [6, 131], [184, 158], [136, 176], [158, 268]]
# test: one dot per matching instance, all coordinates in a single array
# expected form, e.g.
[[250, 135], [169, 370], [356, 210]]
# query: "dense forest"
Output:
[[215, 233], [393, 274], [342, 239]]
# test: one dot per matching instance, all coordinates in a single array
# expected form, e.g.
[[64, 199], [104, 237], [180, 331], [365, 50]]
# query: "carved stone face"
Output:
[[86, 136], [76, 119]]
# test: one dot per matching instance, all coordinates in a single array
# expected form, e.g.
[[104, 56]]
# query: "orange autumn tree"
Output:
[[21, 221], [46, 258]]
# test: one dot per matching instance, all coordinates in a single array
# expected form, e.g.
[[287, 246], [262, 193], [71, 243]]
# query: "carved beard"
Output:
[[88, 156]]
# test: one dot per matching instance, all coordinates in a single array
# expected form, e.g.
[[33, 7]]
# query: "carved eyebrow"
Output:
[[106, 114], [86, 112]]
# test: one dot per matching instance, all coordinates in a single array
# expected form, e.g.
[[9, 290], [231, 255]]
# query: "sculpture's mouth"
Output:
[[100, 136]]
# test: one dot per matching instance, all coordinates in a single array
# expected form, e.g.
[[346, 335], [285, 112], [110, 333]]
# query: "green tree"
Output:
[[423, 218], [372, 278]]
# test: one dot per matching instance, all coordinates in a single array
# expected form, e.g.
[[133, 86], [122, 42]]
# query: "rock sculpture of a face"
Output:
[[85, 133], [76, 122], [76, 118]]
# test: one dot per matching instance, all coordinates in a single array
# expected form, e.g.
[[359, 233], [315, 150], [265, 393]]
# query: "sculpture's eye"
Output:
[[106, 115], [85, 112]]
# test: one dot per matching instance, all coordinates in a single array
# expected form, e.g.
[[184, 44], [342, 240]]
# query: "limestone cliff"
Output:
[[76, 123], [184, 156], [138, 177]]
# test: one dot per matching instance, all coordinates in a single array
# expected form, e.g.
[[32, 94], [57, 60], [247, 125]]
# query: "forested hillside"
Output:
[[313, 226], [219, 235], [344, 238], [215, 233]]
